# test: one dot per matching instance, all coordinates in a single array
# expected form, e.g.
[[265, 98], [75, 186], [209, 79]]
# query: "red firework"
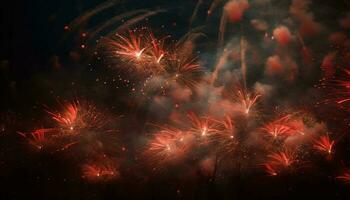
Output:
[[278, 127], [75, 116], [324, 144], [131, 48], [345, 176], [167, 145], [38, 138], [225, 138], [104, 172], [68, 117], [156, 52], [339, 89], [270, 169], [247, 100], [183, 69], [202, 126], [283, 158], [279, 162]]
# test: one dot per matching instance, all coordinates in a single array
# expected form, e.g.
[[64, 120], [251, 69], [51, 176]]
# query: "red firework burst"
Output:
[[130, 48], [99, 172], [324, 144], [278, 127], [38, 138], [279, 162], [202, 126], [345, 176], [167, 145], [225, 138], [75, 116], [247, 100]]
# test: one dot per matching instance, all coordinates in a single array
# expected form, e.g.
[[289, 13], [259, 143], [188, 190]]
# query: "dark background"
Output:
[[31, 42]]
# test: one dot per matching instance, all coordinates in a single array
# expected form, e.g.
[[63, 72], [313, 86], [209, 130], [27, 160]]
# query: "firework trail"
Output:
[[97, 30], [195, 11], [90, 13], [243, 61], [222, 29], [136, 19]]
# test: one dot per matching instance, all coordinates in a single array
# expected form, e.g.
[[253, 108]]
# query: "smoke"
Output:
[[235, 9]]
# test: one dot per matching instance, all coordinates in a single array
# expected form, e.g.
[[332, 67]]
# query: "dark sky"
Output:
[[32, 36]]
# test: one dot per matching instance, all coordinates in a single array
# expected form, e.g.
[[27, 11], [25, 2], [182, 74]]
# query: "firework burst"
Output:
[[278, 128], [225, 137], [167, 145], [38, 138], [345, 177], [202, 126], [324, 144], [99, 172], [247, 100], [76, 116], [339, 89], [279, 162]]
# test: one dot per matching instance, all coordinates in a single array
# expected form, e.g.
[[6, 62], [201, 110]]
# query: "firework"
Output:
[[324, 144], [344, 88], [270, 169], [225, 136], [99, 172], [68, 117], [247, 100], [167, 145], [202, 126], [183, 69], [276, 129], [129, 48], [157, 51], [38, 138], [285, 126], [339, 89], [75, 116], [345, 176], [279, 161], [283, 158]]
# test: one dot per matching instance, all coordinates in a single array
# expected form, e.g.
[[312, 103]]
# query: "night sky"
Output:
[[176, 99]]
